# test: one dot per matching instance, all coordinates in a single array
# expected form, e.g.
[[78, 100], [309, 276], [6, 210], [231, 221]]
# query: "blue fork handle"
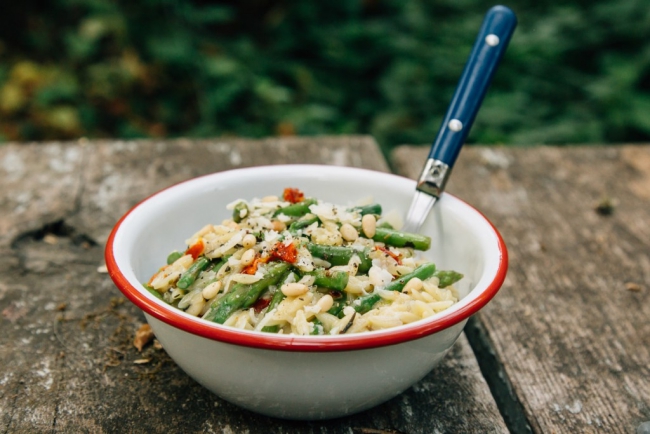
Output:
[[491, 43]]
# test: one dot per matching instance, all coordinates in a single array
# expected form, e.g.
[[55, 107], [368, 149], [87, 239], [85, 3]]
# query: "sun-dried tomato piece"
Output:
[[196, 249], [284, 252], [293, 195], [252, 267]]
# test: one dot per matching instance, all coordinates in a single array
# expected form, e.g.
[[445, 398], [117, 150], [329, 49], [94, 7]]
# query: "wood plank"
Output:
[[37, 186], [66, 347], [570, 326]]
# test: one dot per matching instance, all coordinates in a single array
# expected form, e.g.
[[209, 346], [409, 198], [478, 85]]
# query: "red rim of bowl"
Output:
[[200, 327]]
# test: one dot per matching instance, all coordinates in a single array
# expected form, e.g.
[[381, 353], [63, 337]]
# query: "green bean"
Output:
[[338, 255], [336, 280], [340, 301], [366, 303], [190, 275], [217, 266], [374, 208], [401, 239], [447, 277], [239, 212], [303, 222], [385, 225], [153, 291], [277, 298], [242, 296], [298, 209], [423, 272], [173, 256]]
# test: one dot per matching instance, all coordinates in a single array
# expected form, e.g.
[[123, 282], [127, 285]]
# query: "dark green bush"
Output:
[[575, 71]]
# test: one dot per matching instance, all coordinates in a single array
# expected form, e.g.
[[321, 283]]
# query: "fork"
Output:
[[492, 40]]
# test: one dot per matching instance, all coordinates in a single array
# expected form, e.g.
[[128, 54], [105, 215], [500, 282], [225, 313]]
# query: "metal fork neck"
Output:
[[434, 177]]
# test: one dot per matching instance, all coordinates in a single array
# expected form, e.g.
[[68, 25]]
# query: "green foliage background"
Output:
[[576, 71]]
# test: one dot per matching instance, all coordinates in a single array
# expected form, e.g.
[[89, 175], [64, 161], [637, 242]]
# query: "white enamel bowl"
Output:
[[303, 377]]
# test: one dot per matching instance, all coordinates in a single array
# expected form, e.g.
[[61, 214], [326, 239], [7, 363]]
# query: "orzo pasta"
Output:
[[298, 265]]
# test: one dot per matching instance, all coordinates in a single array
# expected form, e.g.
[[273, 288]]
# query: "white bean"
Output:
[[248, 257], [294, 289], [211, 290], [348, 232], [248, 241], [325, 303], [369, 225]]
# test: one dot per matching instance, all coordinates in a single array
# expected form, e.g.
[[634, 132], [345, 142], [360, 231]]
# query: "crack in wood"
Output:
[[495, 375], [52, 230]]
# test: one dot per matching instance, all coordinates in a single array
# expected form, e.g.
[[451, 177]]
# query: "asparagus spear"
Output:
[[337, 255], [190, 275], [423, 272], [242, 296], [401, 239]]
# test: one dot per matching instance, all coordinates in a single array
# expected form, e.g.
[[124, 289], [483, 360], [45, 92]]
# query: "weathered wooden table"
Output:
[[564, 347]]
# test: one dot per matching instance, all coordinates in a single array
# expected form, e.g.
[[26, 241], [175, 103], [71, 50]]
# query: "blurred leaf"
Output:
[[209, 14], [575, 71], [12, 98], [270, 92], [221, 66], [63, 88], [640, 107], [171, 47], [65, 119]]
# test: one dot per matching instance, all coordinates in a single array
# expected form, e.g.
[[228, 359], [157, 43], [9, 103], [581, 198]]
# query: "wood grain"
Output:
[[570, 326], [68, 363]]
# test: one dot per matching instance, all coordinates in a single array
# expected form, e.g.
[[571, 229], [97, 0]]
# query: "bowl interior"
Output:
[[462, 239]]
